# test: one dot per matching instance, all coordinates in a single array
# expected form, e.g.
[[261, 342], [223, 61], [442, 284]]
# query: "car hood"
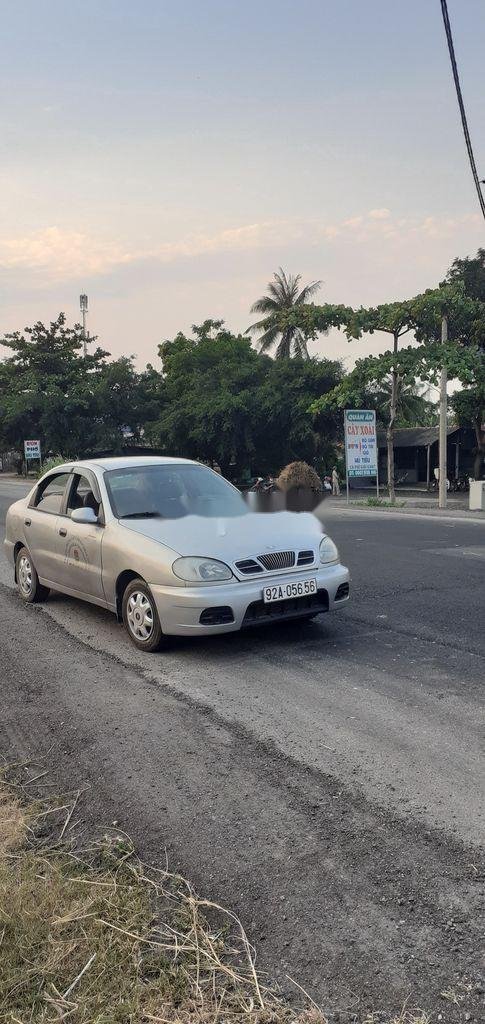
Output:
[[234, 537]]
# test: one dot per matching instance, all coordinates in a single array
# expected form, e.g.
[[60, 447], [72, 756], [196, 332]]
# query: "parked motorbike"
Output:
[[460, 484]]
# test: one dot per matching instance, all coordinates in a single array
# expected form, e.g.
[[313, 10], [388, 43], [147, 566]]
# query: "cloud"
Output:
[[249, 236], [54, 255], [62, 254], [382, 214], [57, 254]]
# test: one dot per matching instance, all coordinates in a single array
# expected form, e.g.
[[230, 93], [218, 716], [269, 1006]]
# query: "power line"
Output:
[[451, 48]]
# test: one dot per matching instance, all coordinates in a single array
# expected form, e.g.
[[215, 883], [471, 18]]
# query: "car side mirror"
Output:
[[85, 515]]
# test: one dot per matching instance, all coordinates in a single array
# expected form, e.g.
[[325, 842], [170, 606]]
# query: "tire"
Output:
[[140, 617], [28, 586]]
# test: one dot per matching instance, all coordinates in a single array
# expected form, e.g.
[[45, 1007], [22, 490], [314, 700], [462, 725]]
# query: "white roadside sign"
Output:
[[360, 443], [32, 449]]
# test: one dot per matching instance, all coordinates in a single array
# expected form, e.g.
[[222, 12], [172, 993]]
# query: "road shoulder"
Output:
[[364, 907]]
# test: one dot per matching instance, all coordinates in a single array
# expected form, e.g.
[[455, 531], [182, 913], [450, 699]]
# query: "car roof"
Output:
[[131, 462]]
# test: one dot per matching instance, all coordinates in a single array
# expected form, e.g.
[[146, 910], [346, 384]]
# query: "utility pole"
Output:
[[83, 304], [443, 421]]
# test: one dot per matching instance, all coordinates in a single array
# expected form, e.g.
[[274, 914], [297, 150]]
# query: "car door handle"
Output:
[[27, 522], [63, 532]]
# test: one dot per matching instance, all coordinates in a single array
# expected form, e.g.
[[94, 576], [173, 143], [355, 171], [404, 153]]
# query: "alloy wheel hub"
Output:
[[25, 575], [140, 615]]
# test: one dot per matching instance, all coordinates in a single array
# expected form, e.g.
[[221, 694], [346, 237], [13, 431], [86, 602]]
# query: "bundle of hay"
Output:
[[299, 475]]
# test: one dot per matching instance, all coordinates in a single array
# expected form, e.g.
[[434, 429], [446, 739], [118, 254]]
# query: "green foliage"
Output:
[[49, 464], [74, 405], [421, 316], [217, 399], [211, 386], [471, 273], [227, 403], [374, 502], [386, 382], [413, 409], [312, 320], [469, 404], [40, 388], [286, 430]]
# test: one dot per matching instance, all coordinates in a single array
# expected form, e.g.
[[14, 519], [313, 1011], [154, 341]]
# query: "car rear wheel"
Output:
[[28, 585], [140, 617]]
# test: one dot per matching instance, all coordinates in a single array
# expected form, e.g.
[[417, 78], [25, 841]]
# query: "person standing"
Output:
[[335, 483]]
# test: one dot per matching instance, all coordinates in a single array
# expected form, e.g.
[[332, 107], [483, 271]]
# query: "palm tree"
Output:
[[283, 295], [413, 407]]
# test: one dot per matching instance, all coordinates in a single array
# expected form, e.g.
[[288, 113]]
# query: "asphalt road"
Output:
[[326, 780]]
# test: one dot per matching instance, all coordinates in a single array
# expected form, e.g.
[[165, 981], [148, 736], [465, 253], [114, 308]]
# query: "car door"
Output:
[[79, 544], [41, 525]]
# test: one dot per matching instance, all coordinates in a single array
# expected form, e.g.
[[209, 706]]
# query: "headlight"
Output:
[[201, 570], [328, 551]]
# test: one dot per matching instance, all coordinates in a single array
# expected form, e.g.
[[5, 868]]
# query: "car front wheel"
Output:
[[140, 617], [28, 585]]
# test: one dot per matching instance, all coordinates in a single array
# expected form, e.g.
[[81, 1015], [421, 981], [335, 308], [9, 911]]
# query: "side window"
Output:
[[50, 493], [81, 495]]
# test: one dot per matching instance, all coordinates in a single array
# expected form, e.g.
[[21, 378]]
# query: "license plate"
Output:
[[283, 591]]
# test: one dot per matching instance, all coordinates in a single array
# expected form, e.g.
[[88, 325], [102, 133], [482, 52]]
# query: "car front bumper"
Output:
[[180, 608]]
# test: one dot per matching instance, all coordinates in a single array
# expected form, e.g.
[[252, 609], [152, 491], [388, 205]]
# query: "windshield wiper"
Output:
[[140, 515]]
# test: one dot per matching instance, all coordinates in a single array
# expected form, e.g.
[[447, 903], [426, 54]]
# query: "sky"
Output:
[[166, 158]]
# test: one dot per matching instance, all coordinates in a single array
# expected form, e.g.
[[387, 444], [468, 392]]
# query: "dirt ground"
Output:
[[364, 908]]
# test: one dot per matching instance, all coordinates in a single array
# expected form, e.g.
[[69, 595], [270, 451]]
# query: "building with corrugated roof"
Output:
[[416, 453]]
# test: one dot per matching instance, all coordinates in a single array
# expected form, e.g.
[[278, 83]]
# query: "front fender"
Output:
[[126, 551]]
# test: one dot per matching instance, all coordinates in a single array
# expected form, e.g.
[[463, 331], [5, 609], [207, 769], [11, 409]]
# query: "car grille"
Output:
[[259, 613], [248, 566], [306, 558], [277, 560], [274, 562], [216, 616]]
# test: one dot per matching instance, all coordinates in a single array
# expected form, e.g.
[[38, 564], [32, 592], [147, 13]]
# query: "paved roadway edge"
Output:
[[429, 516]]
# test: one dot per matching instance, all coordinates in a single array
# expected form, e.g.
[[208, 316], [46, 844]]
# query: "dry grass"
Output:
[[405, 1017], [299, 474], [93, 938], [12, 822]]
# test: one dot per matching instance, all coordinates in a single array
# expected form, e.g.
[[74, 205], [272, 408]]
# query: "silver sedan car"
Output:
[[170, 547]]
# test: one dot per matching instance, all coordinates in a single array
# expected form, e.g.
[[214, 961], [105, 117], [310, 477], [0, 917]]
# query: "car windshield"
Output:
[[170, 492]]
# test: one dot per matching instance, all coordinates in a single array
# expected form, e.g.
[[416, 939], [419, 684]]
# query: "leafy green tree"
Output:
[[469, 404], [464, 355], [420, 316], [413, 409], [469, 408], [211, 409], [226, 403], [125, 400], [370, 385], [391, 318], [45, 387], [288, 433], [284, 295], [469, 271], [74, 405]]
